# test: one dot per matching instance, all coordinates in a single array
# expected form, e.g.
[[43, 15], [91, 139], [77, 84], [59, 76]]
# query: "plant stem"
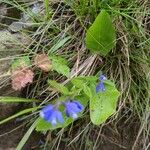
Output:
[[47, 14]]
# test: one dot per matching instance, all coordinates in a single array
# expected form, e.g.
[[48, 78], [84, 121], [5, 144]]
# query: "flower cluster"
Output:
[[72, 108], [21, 77], [52, 115], [100, 86]]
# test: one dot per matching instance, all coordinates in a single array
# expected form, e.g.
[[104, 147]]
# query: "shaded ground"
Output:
[[121, 137], [12, 133]]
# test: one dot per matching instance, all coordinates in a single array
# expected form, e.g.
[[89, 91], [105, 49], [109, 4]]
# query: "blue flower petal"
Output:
[[72, 108], [80, 106], [59, 117], [53, 120], [70, 113], [74, 116], [100, 87], [51, 115], [102, 77], [56, 117], [46, 112]]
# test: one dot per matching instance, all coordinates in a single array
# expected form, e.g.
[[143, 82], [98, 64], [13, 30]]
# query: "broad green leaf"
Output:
[[44, 126], [21, 62], [78, 82], [59, 87], [16, 100], [83, 83], [27, 135], [25, 111], [103, 104], [101, 37], [59, 64], [87, 91]]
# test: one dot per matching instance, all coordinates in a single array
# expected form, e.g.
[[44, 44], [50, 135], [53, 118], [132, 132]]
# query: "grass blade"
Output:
[[16, 100], [27, 135], [59, 44], [25, 111]]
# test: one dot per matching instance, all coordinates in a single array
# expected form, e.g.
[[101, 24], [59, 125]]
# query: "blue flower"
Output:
[[102, 77], [100, 86], [52, 115], [72, 108]]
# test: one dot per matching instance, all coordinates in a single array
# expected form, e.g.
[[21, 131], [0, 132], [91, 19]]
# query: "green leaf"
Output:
[[83, 84], [59, 44], [101, 37], [78, 82], [27, 135], [59, 64], [25, 111], [59, 87], [16, 100], [103, 104], [109, 83], [44, 126], [82, 80], [87, 91], [21, 62]]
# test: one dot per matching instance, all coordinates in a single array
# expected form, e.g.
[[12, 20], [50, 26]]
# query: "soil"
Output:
[[12, 133], [111, 138], [121, 139]]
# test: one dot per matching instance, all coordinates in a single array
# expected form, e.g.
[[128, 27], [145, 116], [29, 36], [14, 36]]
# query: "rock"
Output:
[[10, 46], [16, 26], [26, 20], [3, 11]]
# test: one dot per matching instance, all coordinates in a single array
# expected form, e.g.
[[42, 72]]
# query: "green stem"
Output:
[[47, 14], [95, 2]]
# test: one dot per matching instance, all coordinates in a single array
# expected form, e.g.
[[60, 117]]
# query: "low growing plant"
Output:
[[96, 93]]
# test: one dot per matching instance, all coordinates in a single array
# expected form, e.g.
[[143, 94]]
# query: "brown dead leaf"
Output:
[[42, 61]]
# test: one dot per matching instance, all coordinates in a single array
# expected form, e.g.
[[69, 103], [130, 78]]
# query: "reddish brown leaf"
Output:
[[42, 61]]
